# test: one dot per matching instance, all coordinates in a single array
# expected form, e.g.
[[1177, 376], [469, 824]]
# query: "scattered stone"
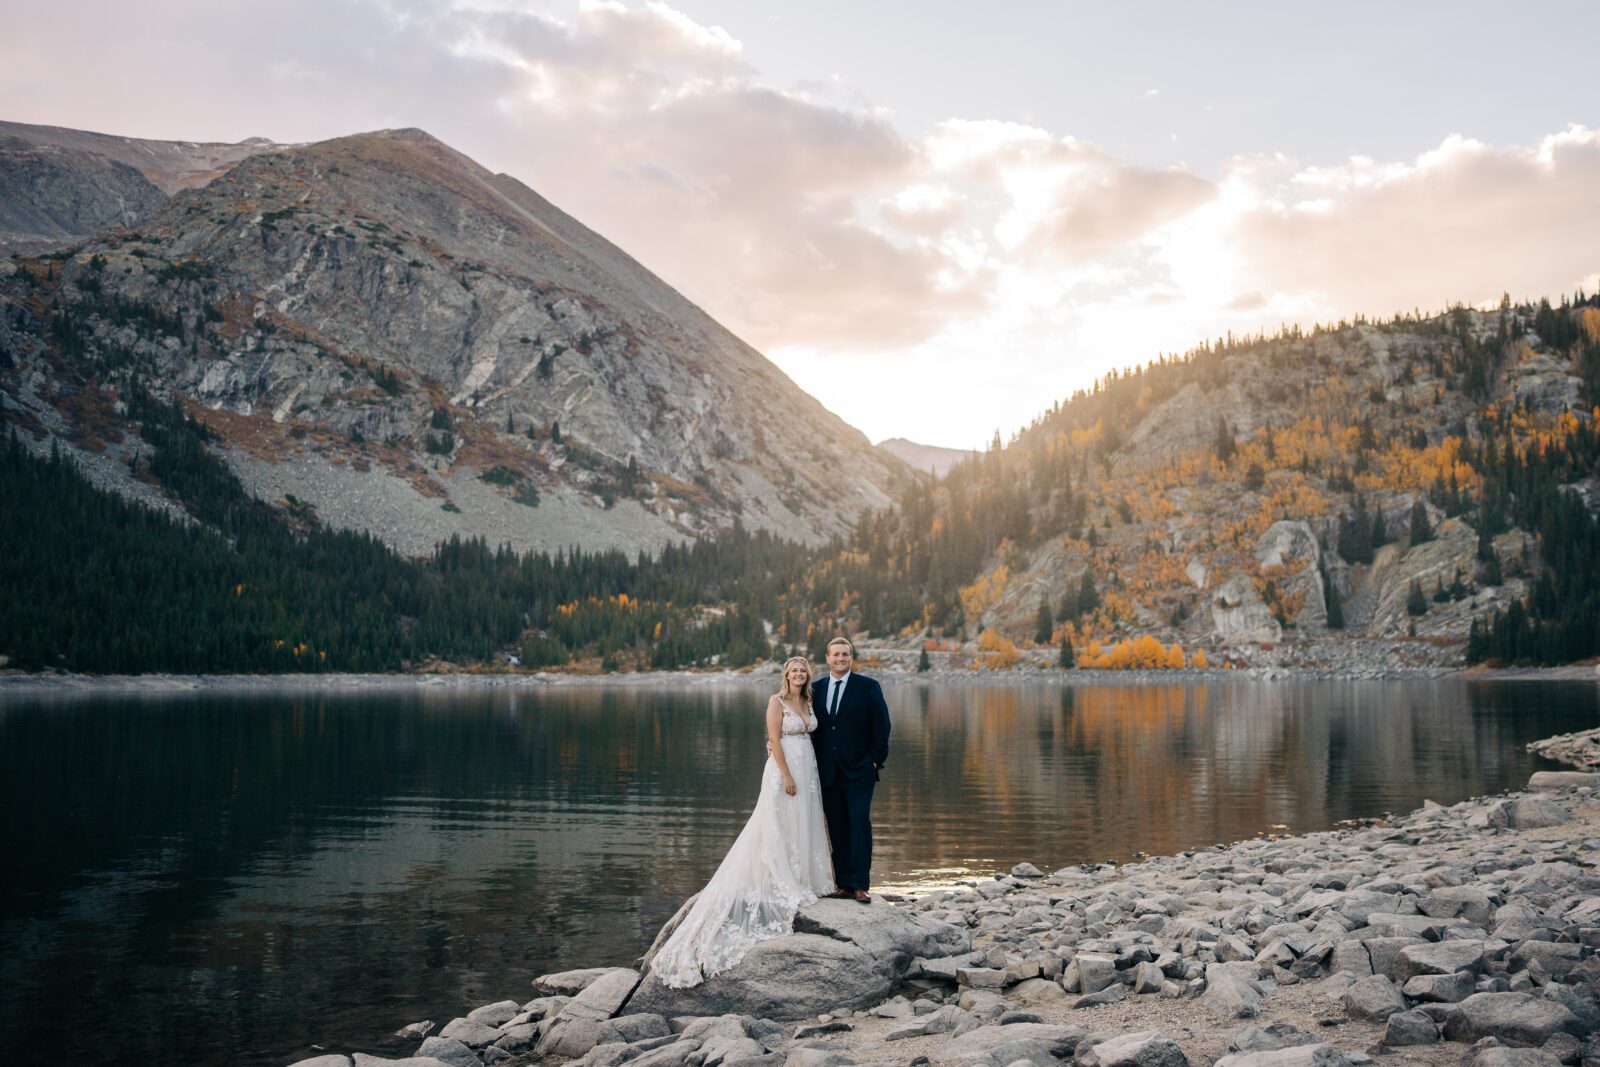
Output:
[[1409, 1028], [1231, 993], [1001, 1046], [1268, 1038], [1440, 988], [1146, 1048], [1513, 1057], [949, 1019], [1109, 995], [1445, 957], [330, 1060], [449, 1051], [568, 983], [469, 1033], [1316, 1055], [415, 1031], [1514, 1018], [1373, 998], [1026, 870], [496, 1014]]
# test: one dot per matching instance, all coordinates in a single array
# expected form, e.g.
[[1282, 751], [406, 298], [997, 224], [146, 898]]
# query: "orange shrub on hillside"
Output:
[[996, 652], [1132, 654]]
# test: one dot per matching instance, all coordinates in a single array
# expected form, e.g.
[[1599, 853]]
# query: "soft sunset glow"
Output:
[[930, 275]]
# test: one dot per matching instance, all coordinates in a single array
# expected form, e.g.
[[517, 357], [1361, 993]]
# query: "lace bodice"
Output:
[[794, 722]]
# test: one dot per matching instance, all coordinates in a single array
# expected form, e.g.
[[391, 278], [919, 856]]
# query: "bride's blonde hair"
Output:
[[805, 690]]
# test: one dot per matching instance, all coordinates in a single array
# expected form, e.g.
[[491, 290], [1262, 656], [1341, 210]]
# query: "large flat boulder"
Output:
[[841, 955], [1514, 1018], [1000, 1046]]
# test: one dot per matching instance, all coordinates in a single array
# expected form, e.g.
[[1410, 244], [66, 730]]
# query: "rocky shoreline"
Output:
[[22, 683], [1453, 934]]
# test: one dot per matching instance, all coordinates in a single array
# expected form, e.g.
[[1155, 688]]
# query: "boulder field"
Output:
[[1451, 935]]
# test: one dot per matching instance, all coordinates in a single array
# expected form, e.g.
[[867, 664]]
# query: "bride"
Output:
[[779, 862]]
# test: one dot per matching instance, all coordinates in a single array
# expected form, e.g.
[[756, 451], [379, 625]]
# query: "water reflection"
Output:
[[248, 875]]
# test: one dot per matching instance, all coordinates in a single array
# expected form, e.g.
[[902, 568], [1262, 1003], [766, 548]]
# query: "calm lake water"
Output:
[[214, 879]]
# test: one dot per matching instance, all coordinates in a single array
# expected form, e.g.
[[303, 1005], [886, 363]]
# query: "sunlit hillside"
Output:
[[1296, 495]]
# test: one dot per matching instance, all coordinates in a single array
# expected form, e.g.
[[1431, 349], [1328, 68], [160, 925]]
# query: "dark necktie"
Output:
[[833, 698]]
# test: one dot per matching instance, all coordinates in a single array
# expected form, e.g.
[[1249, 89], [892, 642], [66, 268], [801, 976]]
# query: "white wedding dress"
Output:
[[780, 862]]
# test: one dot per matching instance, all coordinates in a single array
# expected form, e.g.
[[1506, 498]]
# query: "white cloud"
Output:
[[966, 275]]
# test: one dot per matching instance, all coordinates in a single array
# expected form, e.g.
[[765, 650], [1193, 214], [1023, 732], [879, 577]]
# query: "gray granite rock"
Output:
[[469, 1033], [1514, 1018], [1440, 988], [450, 1051], [1513, 1057], [949, 1019], [1373, 998], [329, 1060], [568, 983], [1109, 995], [841, 955], [1089, 972], [628, 1029], [1410, 1028], [1231, 991], [1272, 1036], [1320, 1054], [1444, 957], [1001, 1046], [1145, 1048], [496, 1014]]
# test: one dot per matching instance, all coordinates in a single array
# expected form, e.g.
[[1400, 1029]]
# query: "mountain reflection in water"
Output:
[[244, 876]]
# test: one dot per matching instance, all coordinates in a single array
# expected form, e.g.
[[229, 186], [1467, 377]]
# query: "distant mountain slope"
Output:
[[930, 458], [385, 335], [168, 165], [1293, 500], [51, 197]]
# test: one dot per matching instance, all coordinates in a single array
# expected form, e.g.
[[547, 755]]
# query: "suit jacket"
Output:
[[853, 743]]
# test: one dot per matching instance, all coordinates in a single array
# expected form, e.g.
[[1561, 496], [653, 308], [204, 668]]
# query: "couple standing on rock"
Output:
[[827, 742]]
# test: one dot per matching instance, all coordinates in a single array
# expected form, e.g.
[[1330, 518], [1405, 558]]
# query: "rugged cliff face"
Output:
[[386, 334]]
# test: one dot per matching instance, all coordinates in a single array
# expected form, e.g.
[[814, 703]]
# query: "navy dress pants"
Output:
[[847, 807]]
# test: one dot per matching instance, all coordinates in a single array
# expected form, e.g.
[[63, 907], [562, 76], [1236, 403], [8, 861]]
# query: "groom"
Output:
[[852, 743]]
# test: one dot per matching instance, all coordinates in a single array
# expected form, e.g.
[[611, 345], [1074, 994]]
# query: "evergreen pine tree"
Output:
[[1066, 660], [922, 661], [1380, 530], [1088, 596], [1355, 535], [1225, 444], [1043, 623], [1333, 601], [1416, 602], [1421, 527]]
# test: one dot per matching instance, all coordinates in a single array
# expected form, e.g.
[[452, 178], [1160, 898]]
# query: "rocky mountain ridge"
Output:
[[387, 336]]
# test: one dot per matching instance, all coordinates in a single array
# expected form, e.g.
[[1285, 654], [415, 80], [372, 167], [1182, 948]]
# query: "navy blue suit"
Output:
[[852, 745]]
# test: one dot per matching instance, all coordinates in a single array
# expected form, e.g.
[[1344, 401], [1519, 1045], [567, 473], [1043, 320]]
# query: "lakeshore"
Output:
[[896, 672], [1455, 934]]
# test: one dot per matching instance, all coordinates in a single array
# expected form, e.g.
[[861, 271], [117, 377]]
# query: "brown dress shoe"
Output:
[[862, 896], [841, 894]]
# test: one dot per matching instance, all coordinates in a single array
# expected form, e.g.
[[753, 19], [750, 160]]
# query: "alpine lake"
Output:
[[248, 876]]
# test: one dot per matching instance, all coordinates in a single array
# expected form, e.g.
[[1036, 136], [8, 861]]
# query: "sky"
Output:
[[938, 219]]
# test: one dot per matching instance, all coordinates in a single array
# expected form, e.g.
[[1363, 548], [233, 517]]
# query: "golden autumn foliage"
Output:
[[1132, 654], [977, 597], [1590, 321], [996, 652], [1198, 661]]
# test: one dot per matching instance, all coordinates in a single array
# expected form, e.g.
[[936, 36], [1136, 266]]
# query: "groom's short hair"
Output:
[[845, 641]]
